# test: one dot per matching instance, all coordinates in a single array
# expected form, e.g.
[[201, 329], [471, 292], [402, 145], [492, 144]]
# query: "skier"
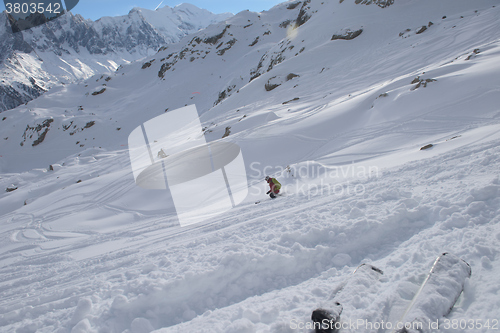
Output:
[[275, 186]]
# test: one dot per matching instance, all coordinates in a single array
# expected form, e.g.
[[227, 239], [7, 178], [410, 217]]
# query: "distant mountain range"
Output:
[[72, 48]]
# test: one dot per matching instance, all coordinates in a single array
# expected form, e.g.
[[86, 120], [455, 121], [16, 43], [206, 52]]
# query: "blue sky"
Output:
[[95, 9]]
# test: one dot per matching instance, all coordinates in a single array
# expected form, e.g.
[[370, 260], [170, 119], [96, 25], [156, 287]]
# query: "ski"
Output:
[[277, 195], [326, 319], [436, 296]]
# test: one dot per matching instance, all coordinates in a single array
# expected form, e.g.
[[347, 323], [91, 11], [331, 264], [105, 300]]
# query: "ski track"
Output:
[[437, 217], [284, 253]]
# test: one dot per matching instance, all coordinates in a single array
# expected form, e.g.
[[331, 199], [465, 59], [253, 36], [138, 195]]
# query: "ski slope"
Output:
[[83, 249]]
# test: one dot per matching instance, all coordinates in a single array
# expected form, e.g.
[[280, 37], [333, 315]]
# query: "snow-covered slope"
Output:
[[335, 100], [72, 48]]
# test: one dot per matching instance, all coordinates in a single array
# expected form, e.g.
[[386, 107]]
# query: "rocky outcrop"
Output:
[[227, 132], [11, 188], [71, 35], [380, 3], [277, 81], [421, 82], [430, 145], [37, 132], [224, 94], [304, 14], [347, 34], [11, 97]]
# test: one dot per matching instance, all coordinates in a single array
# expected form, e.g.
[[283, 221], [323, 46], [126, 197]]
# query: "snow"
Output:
[[437, 294], [91, 251]]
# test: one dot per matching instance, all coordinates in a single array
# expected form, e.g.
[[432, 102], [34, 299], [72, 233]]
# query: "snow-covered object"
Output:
[[363, 281], [436, 296]]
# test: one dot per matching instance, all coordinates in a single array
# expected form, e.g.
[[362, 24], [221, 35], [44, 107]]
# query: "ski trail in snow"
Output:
[[294, 235]]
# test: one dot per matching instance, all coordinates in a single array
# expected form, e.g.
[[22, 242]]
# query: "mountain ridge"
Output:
[[87, 47], [230, 60]]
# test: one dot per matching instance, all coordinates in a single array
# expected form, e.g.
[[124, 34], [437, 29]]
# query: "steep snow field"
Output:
[[83, 249]]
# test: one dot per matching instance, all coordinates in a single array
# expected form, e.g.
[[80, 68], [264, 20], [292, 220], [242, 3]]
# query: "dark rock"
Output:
[[270, 86], [89, 124], [347, 35], [229, 45], [380, 3], [98, 92], [474, 53], [39, 130], [11, 188], [228, 131], [295, 99], [40, 139], [293, 5], [255, 41], [224, 94], [285, 23], [254, 76], [165, 67], [421, 29], [214, 39], [454, 137], [303, 16], [430, 145]]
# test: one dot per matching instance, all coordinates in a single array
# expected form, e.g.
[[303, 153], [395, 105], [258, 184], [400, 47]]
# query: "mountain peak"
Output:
[[72, 48]]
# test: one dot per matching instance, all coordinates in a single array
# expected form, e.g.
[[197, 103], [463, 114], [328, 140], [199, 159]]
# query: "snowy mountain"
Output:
[[379, 118], [72, 48]]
